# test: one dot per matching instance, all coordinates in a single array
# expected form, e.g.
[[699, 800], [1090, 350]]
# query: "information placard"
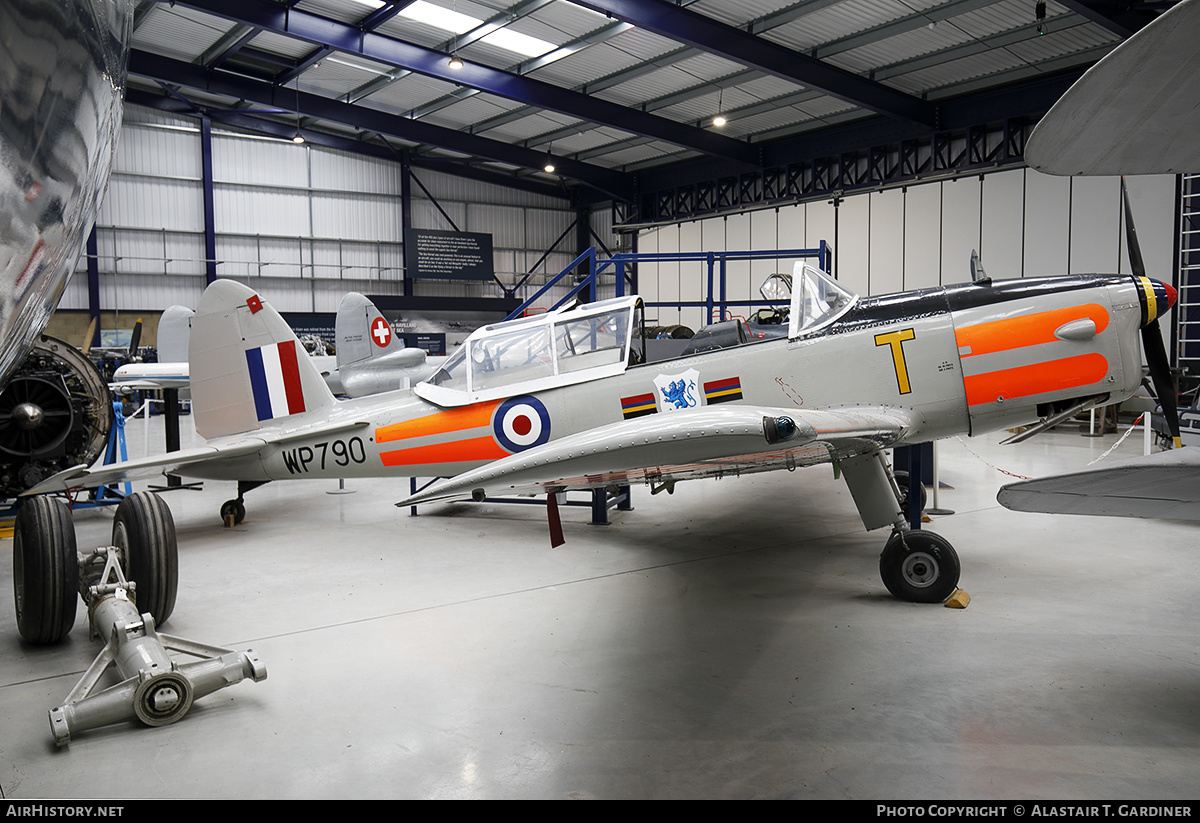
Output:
[[431, 254]]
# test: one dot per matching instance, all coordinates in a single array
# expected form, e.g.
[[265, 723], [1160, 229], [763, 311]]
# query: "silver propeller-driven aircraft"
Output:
[[564, 400]]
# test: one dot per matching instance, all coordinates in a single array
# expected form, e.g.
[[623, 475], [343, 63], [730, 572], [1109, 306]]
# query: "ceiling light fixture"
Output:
[[455, 62], [719, 119], [549, 165], [298, 138]]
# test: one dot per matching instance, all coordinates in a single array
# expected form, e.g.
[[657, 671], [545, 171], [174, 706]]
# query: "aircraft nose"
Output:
[[1172, 294], [1157, 298]]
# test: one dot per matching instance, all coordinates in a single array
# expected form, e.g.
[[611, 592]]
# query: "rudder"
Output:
[[246, 366]]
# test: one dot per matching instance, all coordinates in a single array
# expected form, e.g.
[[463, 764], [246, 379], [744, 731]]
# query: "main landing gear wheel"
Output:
[[144, 531], [45, 570], [921, 567], [235, 509]]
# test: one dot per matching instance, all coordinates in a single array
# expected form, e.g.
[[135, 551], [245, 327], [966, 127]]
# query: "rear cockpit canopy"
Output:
[[535, 353]]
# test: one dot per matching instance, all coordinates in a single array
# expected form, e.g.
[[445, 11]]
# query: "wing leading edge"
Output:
[[709, 442]]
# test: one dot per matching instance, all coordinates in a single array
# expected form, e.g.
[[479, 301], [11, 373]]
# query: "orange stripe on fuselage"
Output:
[[452, 420], [458, 451], [1038, 378], [1028, 330]]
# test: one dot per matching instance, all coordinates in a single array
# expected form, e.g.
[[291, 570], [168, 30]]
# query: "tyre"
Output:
[[144, 531], [45, 570], [921, 567], [236, 508]]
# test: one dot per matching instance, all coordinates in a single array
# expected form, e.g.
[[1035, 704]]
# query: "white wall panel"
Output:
[[159, 151], [960, 227], [887, 241], [793, 222], [1095, 224], [738, 285], [922, 236], [357, 217], [345, 172], [425, 215], [819, 225], [854, 243], [248, 161], [145, 202], [246, 210], [1002, 241], [1047, 224], [764, 236]]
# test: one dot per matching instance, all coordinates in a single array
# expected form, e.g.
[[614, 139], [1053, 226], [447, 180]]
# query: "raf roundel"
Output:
[[381, 332], [521, 423]]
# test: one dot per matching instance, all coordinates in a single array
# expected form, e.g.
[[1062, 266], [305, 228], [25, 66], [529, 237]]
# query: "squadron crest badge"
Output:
[[673, 392]]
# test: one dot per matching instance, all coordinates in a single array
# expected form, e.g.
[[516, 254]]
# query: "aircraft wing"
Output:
[[662, 448], [1164, 485], [81, 477], [1134, 112]]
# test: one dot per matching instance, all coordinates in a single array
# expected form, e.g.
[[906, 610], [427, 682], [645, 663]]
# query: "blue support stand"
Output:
[[114, 452]]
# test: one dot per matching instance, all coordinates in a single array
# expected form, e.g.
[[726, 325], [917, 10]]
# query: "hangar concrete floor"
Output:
[[730, 641]]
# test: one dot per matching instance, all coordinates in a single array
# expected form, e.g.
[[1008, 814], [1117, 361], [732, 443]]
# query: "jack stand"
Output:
[[154, 688]]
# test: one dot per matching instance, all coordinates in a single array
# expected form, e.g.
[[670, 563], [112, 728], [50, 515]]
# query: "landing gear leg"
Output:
[[233, 512], [915, 565]]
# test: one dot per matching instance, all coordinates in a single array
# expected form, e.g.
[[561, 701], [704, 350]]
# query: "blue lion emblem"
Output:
[[680, 393]]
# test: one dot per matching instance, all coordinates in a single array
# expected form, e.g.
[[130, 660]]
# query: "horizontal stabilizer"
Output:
[[147, 468], [1164, 485]]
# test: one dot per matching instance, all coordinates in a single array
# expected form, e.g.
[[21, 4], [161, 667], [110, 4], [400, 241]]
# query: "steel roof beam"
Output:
[[225, 83], [715, 37], [321, 31]]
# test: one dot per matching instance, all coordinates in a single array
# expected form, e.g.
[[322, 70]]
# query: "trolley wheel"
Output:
[[902, 483], [45, 570], [236, 508], [919, 566], [144, 531]]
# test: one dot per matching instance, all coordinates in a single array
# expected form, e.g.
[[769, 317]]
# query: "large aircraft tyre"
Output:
[[45, 570], [919, 566], [144, 531]]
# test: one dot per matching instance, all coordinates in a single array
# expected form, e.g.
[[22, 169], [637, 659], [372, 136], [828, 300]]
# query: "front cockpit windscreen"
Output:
[[817, 300]]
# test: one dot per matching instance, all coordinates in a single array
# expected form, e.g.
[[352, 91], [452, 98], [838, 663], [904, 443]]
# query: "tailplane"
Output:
[[247, 367]]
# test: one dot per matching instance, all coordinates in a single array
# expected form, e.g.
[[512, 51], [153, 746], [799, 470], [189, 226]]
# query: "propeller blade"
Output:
[[1160, 373], [91, 335], [1135, 250], [135, 338]]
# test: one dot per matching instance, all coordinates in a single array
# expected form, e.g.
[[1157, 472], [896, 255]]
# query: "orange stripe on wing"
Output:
[[1029, 330], [459, 451], [467, 417], [1038, 378]]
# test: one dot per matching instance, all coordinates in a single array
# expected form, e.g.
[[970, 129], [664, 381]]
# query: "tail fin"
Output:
[[247, 367], [362, 332], [174, 331]]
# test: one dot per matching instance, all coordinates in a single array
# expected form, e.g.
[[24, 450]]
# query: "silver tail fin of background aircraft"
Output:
[[247, 367], [371, 358]]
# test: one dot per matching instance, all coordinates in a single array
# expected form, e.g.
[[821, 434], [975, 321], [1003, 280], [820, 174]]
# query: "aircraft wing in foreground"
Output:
[[1164, 485]]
